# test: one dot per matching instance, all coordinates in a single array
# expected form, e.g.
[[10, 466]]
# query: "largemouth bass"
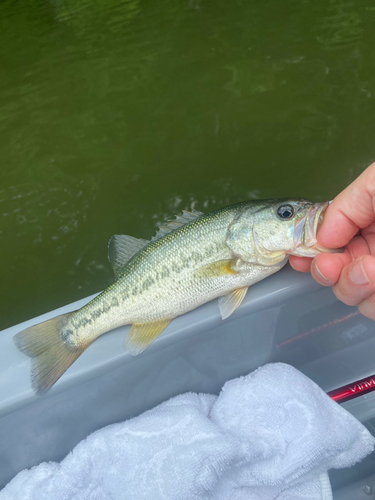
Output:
[[191, 260]]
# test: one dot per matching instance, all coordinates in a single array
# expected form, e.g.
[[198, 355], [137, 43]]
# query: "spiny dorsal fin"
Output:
[[141, 336], [179, 221], [121, 248], [229, 303]]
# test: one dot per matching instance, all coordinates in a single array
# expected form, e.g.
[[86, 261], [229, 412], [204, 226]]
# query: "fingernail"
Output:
[[320, 275], [357, 274]]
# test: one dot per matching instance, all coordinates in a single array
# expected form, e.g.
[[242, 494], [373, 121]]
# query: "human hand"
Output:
[[349, 221]]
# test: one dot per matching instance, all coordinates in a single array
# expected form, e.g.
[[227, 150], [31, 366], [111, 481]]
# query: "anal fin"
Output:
[[141, 336], [229, 303]]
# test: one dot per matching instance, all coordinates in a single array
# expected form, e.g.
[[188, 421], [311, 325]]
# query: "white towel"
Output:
[[270, 435]]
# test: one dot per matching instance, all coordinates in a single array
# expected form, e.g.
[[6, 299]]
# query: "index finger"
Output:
[[351, 210]]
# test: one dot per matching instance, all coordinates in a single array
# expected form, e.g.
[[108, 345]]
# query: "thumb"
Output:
[[351, 210]]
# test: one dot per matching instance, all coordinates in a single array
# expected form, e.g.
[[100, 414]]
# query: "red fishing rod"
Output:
[[353, 390]]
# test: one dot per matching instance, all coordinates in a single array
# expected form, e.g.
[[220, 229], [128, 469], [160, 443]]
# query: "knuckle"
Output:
[[367, 307], [345, 296]]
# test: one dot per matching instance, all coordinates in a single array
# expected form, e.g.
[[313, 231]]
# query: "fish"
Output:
[[192, 260]]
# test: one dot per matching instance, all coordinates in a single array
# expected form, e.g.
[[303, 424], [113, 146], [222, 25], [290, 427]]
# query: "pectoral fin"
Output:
[[229, 303], [141, 336], [217, 269]]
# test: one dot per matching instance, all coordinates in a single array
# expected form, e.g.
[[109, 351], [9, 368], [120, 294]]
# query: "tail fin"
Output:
[[51, 356]]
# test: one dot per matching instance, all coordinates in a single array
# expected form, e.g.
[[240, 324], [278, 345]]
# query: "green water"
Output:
[[115, 115]]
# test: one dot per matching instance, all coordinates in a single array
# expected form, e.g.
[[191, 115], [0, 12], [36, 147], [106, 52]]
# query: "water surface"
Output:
[[118, 114]]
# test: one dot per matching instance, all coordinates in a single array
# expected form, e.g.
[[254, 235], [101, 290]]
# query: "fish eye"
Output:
[[285, 212]]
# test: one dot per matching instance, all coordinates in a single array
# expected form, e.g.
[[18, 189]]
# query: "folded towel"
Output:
[[270, 435]]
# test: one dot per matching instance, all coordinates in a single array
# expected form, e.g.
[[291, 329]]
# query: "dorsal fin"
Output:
[[179, 221], [121, 248]]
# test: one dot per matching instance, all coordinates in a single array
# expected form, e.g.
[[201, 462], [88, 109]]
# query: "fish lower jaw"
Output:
[[313, 250], [304, 251]]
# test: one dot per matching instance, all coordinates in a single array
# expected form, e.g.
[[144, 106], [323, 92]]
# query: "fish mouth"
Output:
[[305, 231], [314, 219]]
